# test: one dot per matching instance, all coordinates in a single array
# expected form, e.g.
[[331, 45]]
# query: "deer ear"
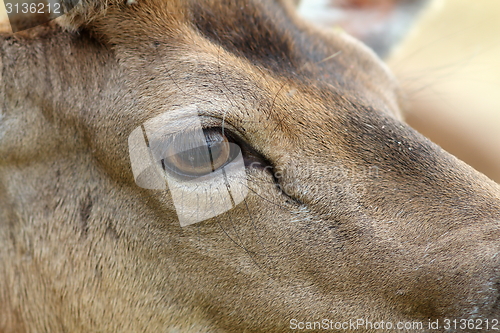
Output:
[[23, 15], [83, 12], [378, 23]]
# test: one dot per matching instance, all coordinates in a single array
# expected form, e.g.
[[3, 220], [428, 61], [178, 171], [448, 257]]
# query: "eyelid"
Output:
[[165, 127]]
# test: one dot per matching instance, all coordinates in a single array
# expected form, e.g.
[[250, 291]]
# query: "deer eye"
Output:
[[186, 158]]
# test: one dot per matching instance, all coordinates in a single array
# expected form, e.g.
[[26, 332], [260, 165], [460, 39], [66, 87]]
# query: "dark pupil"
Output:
[[195, 158], [216, 147]]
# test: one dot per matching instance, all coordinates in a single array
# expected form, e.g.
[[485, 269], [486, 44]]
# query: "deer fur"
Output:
[[350, 212]]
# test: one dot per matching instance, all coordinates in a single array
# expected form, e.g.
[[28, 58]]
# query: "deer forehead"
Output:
[[269, 66], [266, 34], [252, 63]]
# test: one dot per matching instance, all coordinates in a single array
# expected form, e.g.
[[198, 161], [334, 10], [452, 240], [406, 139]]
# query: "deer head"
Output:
[[345, 211]]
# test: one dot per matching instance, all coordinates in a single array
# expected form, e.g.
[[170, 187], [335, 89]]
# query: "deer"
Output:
[[347, 219]]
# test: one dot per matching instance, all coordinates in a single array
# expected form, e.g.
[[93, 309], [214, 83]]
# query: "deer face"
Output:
[[347, 212]]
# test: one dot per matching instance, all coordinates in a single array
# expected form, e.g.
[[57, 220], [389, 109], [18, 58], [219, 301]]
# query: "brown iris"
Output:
[[186, 159]]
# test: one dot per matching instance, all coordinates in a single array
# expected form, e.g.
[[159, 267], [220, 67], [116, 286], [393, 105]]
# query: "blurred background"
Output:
[[449, 67]]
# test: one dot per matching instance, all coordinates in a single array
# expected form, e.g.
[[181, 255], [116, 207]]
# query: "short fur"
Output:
[[356, 216]]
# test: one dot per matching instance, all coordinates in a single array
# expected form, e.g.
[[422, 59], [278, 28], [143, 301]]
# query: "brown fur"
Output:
[[357, 216]]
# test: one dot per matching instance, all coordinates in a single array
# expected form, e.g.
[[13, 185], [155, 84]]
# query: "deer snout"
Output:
[[417, 231]]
